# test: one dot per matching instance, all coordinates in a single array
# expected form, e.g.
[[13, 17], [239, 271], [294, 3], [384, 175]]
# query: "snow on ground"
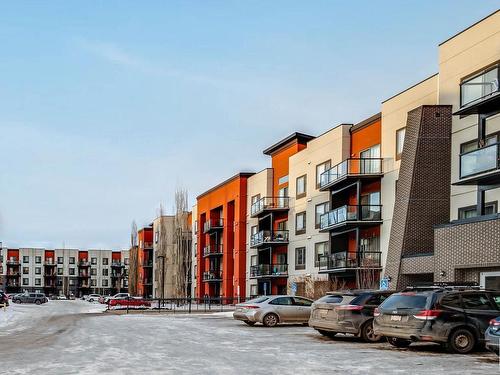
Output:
[[83, 343]]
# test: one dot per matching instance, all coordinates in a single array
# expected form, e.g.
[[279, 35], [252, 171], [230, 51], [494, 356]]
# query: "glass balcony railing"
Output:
[[352, 166], [213, 275], [213, 224], [479, 87], [269, 270], [345, 259], [269, 203], [267, 237], [479, 161], [350, 213], [212, 250]]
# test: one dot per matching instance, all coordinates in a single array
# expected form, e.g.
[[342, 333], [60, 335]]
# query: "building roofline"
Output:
[[335, 127], [298, 136], [469, 27], [409, 88], [237, 175], [362, 124]]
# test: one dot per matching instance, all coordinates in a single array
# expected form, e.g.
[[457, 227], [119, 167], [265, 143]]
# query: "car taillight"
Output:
[[376, 312], [495, 323], [427, 314], [350, 307], [251, 307]]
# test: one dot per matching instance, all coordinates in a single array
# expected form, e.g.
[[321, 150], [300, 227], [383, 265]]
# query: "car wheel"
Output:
[[251, 324], [398, 343], [327, 333], [461, 341], [91, 300], [270, 320], [16, 301], [38, 302], [368, 334]]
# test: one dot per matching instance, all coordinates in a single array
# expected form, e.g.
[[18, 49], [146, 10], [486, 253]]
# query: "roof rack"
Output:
[[444, 286]]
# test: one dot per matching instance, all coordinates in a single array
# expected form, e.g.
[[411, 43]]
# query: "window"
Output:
[[253, 230], [196, 227], [320, 250], [71, 281], [474, 144], [93, 282], [321, 209], [105, 283], [254, 199], [71, 260], [38, 282], [93, 271], [300, 258], [38, 270], [93, 260], [26, 281], [452, 300], [479, 86], [254, 260], [283, 180], [282, 301], [26, 259], [59, 271], [300, 223], [478, 301], [26, 270], [105, 272], [71, 271], [38, 259], [301, 301], [300, 187], [254, 290], [320, 168], [126, 261], [471, 211], [157, 236], [60, 260], [400, 141], [104, 261]]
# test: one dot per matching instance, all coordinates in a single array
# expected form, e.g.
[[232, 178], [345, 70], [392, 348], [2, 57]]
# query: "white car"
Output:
[[93, 297]]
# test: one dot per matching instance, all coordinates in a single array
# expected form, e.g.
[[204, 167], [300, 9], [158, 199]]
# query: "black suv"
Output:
[[456, 319], [37, 298], [350, 312]]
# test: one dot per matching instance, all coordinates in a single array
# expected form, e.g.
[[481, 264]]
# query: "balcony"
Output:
[[49, 262], [481, 166], [50, 275], [84, 276], [83, 263], [351, 216], [212, 276], [269, 204], [269, 270], [13, 262], [212, 250], [342, 261], [267, 237], [213, 225], [349, 169], [117, 265], [481, 93], [116, 275], [13, 274]]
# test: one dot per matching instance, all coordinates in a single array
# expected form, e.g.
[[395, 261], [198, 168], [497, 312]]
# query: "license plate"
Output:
[[323, 313], [396, 318]]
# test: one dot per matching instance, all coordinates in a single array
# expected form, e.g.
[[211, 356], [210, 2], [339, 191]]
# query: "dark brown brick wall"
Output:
[[423, 190]]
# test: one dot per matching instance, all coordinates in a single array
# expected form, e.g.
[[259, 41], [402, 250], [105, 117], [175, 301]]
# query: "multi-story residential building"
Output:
[[64, 271], [172, 255], [144, 265], [221, 238]]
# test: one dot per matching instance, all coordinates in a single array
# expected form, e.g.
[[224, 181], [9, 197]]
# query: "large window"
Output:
[[300, 223], [479, 86], [471, 211], [300, 188], [320, 250], [320, 168], [320, 209], [300, 258], [400, 141]]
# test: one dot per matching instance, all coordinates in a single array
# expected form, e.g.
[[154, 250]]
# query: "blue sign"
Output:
[[384, 284], [293, 288]]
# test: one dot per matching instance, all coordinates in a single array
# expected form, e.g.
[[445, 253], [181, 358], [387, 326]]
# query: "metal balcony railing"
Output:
[[480, 86], [354, 260], [212, 275], [350, 167], [269, 237], [83, 263], [269, 204], [49, 262], [213, 224], [13, 262], [212, 250], [117, 264], [482, 160], [350, 213], [269, 270]]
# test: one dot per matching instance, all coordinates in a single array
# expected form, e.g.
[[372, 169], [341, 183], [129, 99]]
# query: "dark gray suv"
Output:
[[37, 298]]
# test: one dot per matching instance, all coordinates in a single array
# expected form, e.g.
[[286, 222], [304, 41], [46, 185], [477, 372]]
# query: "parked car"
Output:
[[37, 298], [492, 336], [93, 297], [105, 299], [84, 297], [4, 299], [273, 310], [457, 319], [129, 302], [350, 312]]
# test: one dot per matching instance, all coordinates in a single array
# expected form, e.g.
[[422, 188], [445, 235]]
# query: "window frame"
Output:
[[317, 261], [300, 266], [398, 155], [317, 220], [303, 230], [461, 210], [304, 193], [318, 175], [470, 77]]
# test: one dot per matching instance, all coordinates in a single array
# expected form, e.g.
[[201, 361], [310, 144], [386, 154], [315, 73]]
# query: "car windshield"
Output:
[[404, 301], [258, 300]]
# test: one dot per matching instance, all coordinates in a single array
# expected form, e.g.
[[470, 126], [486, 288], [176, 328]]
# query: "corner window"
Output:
[[320, 168], [301, 185], [320, 250], [300, 258], [468, 212], [320, 209], [400, 141], [300, 223]]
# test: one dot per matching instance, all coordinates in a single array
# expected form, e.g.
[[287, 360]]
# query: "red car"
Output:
[[134, 302]]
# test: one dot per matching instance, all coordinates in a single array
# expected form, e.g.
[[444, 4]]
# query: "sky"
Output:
[[108, 107]]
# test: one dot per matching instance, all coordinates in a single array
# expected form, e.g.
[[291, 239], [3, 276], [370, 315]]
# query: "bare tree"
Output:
[[133, 234], [182, 240]]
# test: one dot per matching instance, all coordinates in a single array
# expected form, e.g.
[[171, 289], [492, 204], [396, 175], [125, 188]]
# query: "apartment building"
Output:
[[143, 257], [220, 239], [64, 271]]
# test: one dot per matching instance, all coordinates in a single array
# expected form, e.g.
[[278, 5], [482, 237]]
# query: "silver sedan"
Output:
[[273, 310]]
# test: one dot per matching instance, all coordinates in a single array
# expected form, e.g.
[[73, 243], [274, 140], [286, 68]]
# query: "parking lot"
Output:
[[69, 337]]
